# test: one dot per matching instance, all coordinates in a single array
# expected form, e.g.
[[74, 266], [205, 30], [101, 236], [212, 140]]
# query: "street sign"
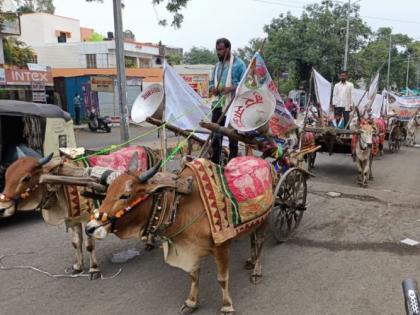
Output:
[[40, 97], [26, 77], [199, 83], [102, 84], [38, 86]]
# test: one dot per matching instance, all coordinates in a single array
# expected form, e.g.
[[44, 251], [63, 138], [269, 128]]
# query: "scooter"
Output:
[[99, 123]]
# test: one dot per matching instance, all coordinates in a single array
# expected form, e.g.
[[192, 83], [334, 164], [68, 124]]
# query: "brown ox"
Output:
[[23, 191], [127, 211]]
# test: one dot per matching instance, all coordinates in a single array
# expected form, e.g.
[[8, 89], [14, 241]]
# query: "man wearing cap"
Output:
[[226, 76], [342, 97]]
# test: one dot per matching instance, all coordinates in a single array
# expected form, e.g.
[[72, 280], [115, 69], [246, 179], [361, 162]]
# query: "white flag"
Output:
[[184, 108], [323, 91]]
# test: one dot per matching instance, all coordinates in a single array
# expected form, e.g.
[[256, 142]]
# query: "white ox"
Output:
[[364, 153], [412, 126]]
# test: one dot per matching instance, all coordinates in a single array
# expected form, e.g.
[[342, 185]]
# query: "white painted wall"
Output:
[[59, 56], [40, 28]]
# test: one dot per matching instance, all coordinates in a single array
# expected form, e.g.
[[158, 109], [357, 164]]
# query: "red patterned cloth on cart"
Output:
[[236, 198], [119, 160], [308, 139], [381, 128]]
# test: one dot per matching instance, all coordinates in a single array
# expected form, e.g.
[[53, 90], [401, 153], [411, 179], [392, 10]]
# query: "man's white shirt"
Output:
[[342, 96]]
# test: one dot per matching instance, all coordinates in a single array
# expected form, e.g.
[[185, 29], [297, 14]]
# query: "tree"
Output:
[[128, 34], [30, 6], [96, 37], [173, 6], [315, 39], [16, 52], [248, 52], [174, 59], [200, 55], [374, 57]]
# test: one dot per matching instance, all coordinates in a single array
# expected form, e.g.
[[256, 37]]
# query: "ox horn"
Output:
[[45, 159], [145, 176]]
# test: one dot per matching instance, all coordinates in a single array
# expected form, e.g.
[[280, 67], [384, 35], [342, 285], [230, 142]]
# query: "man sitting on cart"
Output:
[[342, 97]]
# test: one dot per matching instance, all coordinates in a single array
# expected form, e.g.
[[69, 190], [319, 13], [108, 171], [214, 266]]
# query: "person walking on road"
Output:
[[342, 97], [77, 102], [226, 76]]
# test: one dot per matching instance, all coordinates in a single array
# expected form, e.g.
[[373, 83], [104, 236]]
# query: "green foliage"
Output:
[[29, 6], [200, 55], [248, 52], [173, 6], [96, 37], [16, 52], [374, 56], [315, 39], [174, 59], [130, 62]]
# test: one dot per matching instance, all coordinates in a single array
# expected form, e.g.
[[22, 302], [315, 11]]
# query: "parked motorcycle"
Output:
[[99, 123]]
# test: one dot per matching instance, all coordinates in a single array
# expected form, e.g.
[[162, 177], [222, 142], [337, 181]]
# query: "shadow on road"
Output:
[[21, 218]]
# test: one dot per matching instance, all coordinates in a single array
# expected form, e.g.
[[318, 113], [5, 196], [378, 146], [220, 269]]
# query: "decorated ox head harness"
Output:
[[366, 131], [24, 195], [107, 219]]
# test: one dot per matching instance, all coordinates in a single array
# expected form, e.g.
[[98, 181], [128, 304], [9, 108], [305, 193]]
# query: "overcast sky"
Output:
[[238, 20]]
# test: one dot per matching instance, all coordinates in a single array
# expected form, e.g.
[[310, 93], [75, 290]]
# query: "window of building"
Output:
[[91, 61], [33, 59], [62, 38], [144, 63], [130, 62]]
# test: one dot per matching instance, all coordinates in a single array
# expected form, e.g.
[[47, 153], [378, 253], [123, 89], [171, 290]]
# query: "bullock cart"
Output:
[[360, 142], [332, 140], [396, 133], [289, 183]]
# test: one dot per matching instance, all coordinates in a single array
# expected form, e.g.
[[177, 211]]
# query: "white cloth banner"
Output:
[[373, 89], [404, 106], [184, 108], [257, 77], [323, 91]]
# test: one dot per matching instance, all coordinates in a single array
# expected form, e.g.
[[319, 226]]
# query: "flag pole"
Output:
[[307, 106], [164, 139]]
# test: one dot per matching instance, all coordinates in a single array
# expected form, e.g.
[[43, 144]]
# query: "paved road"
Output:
[[345, 258]]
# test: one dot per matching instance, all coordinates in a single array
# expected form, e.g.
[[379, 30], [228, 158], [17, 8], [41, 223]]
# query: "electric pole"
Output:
[[389, 61], [408, 70], [346, 51], [120, 61]]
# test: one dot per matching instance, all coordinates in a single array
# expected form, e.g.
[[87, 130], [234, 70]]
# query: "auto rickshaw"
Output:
[[32, 129]]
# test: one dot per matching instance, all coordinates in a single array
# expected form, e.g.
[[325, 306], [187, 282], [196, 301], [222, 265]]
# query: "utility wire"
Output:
[[285, 4]]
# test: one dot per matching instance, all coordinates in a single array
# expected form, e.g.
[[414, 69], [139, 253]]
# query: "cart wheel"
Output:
[[289, 204]]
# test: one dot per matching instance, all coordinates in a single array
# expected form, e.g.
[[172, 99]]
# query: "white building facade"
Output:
[[56, 40]]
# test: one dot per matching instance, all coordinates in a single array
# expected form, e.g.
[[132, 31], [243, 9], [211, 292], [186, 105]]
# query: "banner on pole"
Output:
[[255, 78]]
